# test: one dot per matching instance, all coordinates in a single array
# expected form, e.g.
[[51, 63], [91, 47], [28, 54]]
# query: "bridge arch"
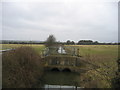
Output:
[[55, 69], [66, 70]]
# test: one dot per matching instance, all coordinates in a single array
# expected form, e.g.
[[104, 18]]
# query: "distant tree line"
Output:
[[88, 42], [20, 42], [68, 42]]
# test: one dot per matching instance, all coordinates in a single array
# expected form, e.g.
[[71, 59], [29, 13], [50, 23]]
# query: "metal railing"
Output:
[[61, 50]]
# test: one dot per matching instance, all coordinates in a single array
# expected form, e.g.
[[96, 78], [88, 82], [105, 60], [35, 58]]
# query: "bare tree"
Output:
[[51, 41]]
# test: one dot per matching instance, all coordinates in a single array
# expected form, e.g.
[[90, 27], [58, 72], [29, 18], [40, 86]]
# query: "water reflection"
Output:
[[61, 50], [61, 78], [59, 87]]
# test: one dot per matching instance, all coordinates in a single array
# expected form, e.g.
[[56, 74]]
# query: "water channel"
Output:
[[56, 79]]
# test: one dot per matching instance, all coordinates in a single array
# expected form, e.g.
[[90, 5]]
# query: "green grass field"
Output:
[[104, 56], [38, 48]]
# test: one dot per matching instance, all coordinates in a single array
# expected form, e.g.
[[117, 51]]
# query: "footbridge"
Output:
[[63, 58]]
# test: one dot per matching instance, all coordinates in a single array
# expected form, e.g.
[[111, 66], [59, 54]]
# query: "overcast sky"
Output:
[[65, 19]]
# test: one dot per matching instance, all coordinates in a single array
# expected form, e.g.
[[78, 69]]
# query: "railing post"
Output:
[[78, 52]]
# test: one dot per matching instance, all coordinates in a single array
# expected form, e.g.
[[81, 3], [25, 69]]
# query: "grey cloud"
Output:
[[73, 21]]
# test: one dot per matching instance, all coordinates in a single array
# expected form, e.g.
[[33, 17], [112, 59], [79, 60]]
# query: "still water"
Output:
[[54, 79]]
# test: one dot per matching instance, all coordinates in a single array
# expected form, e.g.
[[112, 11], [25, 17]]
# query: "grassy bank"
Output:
[[104, 56], [0, 67], [22, 68]]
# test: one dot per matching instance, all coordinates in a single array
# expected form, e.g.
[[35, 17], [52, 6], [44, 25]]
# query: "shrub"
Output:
[[21, 68]]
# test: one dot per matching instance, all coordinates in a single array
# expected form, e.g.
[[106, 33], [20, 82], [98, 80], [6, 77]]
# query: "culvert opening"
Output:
[[55, 69], [66, 70]]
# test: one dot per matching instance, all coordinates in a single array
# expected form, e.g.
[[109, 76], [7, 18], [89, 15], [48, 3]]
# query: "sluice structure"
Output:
[[63, 58]]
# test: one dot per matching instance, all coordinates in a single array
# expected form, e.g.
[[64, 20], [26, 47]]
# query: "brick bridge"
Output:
[[62, 58]]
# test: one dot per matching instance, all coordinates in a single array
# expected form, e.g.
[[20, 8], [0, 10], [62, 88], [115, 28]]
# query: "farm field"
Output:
[[38, 48], [104, 56]]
